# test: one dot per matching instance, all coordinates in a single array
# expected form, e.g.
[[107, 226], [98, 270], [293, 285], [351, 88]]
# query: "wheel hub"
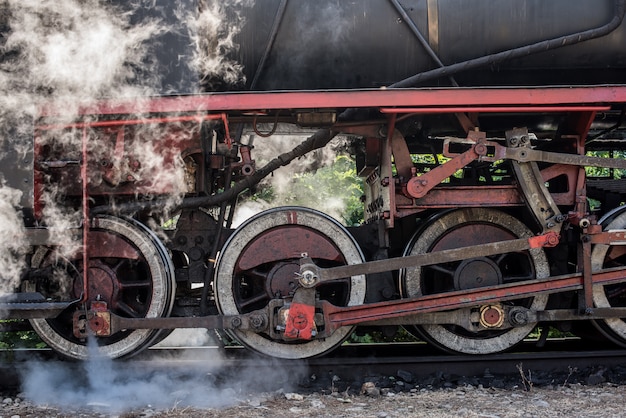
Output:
[[282, 280], [477, 272], [103, 283]]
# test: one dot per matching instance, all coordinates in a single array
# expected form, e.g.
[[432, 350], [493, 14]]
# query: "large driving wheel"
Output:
[[259, 263], [611, 296], [469, 227], [129, 269]]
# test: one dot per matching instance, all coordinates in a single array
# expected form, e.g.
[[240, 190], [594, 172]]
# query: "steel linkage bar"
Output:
[[336, 317], [308, 268]]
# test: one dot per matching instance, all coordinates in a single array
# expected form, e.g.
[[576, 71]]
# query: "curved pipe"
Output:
[[280, 13], [542, 46], [411, 24], [318, 140]]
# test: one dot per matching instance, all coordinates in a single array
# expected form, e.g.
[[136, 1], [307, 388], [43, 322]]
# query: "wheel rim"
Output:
[[129, 269], [610, 296], [258, 263], [468, 227]]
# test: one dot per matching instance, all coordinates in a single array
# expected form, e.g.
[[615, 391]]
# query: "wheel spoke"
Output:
[[259, 262], [606, 256], [125, 308], [499, 258], [134, 285], [118, 265], [134, 254], [246, 304], [442, 269], [470, 227]]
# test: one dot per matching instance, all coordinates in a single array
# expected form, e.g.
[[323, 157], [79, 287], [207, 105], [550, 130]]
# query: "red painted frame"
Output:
[[448, 100], [585, 100]]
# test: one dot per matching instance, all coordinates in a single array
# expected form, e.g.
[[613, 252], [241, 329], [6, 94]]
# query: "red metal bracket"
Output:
[[418, 187], [300, 320], [96, 321], [549, 239], [300, 323]]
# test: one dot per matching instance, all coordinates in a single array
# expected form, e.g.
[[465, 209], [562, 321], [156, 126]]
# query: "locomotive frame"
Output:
[[546, 185]]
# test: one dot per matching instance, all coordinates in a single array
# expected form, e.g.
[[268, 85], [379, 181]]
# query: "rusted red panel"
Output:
[[494, 109], [285, 242], [422, 98]]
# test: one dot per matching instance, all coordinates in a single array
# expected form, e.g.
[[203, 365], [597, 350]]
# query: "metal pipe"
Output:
[[270, 42], [542, 46], [407, 19], [318, 140]]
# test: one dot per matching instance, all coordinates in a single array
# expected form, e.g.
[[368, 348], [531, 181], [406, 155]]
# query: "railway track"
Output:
[[416, 365]]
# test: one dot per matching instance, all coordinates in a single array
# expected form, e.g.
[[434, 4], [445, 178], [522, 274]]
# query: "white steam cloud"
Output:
[[213, 31], [194, 378], [65, 52], [13, 242], [320, 193], [75, 50]]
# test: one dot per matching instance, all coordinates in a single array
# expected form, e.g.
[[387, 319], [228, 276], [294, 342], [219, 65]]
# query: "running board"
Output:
[[30, 305]]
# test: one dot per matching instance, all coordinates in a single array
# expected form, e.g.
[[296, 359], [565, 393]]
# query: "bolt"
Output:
[[561, 218], [235, 322], [308, 278], [518, 317], [257, 321]]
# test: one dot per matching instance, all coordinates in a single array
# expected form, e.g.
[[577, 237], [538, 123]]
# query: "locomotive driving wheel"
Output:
[[469, 227], [260, 262], [129, 269], [610, 296]]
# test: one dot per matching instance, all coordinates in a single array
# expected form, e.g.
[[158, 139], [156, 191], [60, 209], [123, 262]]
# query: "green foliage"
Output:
[[20, 339], [606, 172], [334, 189], [374, 336]]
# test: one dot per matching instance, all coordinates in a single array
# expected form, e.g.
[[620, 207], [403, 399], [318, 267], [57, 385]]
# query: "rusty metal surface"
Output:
[[436, 257], [336, 317], [422, 310], [450, 97]]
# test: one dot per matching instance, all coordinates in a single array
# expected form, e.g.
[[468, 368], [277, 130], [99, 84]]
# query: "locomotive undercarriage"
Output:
[[470, 249]]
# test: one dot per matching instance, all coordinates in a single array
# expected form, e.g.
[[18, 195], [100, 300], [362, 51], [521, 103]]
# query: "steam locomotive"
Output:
[[489, 137]]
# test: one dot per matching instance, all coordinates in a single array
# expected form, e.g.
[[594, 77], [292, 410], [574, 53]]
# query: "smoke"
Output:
[[12, 244], [194, 378], [212, 32], [66, 53], [76, 50], [309, 181]]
